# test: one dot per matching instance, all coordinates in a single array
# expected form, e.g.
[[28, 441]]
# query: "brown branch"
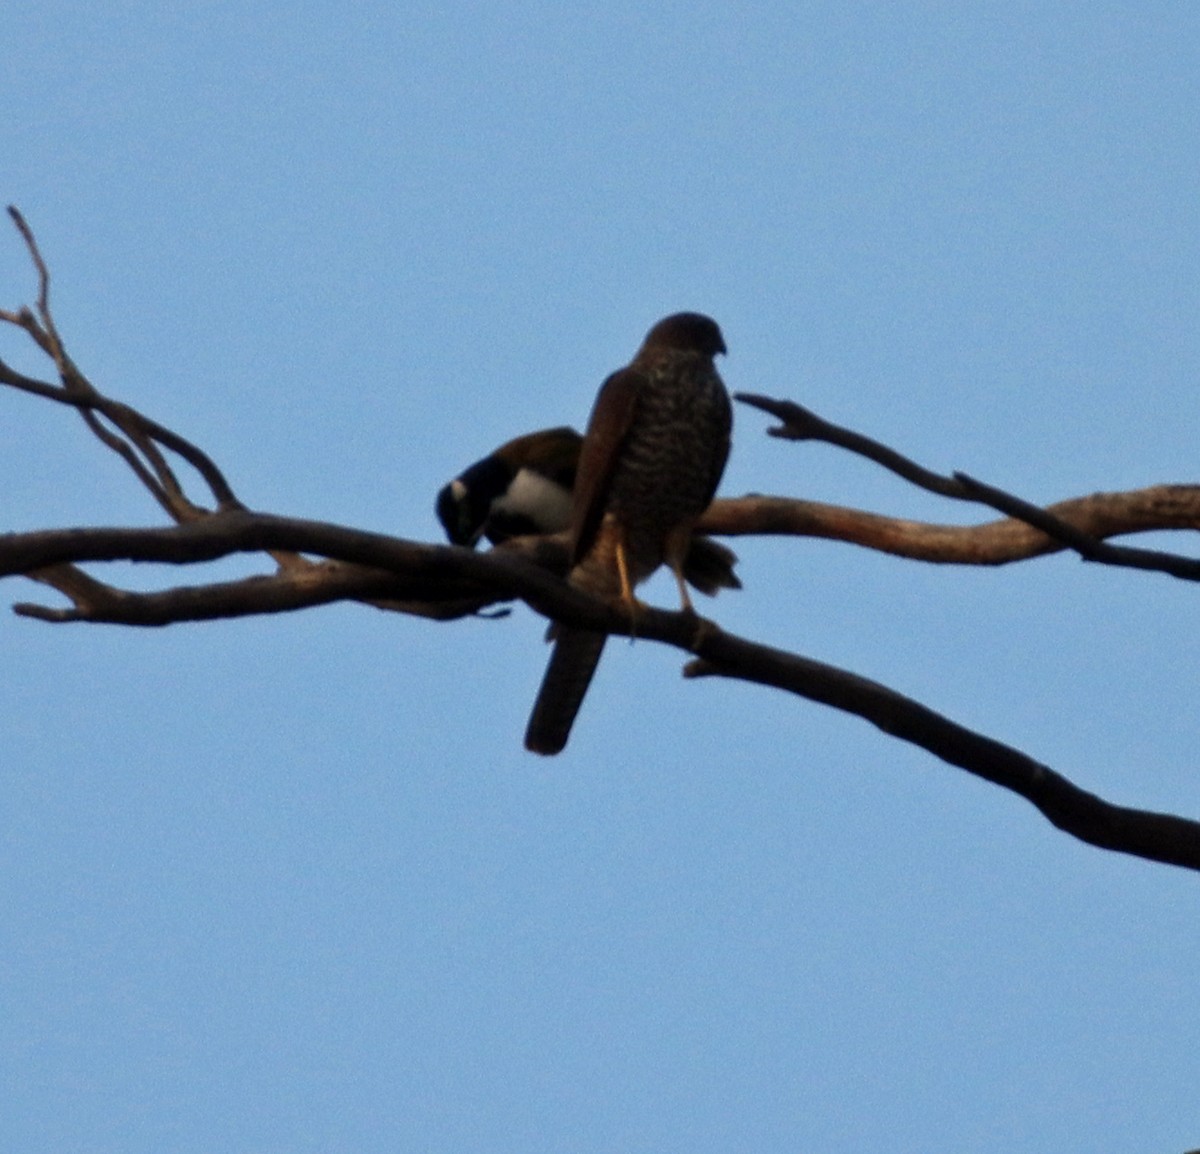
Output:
[[1085, 544], [1099, 515], [286, 591], [801, 424], [408, 576], [435, 573], [443, 581], [159, 478], [138, 446], [1153, 836], [43, 331], [438, 580]]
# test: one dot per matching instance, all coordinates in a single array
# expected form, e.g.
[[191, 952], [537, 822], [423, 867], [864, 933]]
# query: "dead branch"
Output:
[[445, 582], [1085, 544], [801, 424], [408, 569], [137, 438], [1100, 515], [440, 581], [1154, 836]]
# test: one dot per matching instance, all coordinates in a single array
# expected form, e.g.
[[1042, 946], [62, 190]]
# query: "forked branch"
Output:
[[138, 440], [1059, 524], [446, 582]]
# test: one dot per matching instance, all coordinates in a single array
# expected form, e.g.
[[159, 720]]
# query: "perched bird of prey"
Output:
[[525, 486], [655, 448]]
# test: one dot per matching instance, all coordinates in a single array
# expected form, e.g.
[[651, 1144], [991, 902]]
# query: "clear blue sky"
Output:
[[293, 885]]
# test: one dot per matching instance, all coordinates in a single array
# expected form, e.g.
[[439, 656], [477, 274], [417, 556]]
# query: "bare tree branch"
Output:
[[1085, 544], [444, 582], [407, 569], [360, 566], [1173, 507], [142, 436], [1154, 836], [801, 424]]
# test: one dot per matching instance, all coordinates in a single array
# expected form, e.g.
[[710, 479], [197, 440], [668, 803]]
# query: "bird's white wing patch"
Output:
[[533, 496]]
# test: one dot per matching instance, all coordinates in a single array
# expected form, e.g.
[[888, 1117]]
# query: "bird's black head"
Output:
[[688, 332], [463, 505]]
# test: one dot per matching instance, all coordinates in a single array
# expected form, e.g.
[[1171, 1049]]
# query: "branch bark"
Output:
[[1098, 516]]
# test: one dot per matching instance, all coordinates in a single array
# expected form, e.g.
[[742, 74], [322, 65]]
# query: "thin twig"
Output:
[[61, 361], [138, 446], [801, 424]]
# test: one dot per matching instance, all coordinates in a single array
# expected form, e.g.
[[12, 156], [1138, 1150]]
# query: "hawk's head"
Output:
[[687, 332]]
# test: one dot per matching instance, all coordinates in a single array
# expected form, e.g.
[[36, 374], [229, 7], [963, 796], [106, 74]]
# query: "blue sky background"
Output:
[[293, 885]]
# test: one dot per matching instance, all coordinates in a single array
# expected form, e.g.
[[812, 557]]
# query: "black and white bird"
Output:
[[522, 487]]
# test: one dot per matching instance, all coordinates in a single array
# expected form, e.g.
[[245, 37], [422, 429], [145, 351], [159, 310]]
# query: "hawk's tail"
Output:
[[574, 660]]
